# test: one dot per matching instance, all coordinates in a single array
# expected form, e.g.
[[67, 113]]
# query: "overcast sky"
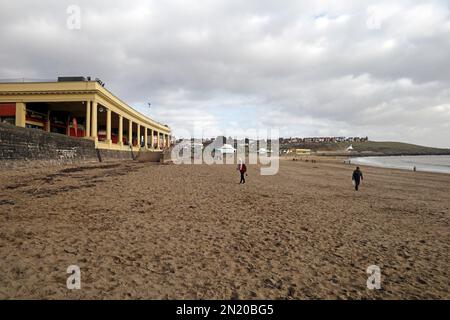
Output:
[[308, 68]]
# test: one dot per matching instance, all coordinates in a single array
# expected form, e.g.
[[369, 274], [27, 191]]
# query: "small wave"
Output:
[[439, 164]]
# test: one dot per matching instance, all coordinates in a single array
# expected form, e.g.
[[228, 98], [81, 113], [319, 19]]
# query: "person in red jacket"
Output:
[[242, 168]]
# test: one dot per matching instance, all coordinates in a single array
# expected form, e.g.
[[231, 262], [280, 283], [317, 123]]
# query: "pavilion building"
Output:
[[79, 107]]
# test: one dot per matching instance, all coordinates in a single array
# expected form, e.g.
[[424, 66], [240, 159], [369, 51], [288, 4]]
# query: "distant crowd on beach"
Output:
[[306, 160]]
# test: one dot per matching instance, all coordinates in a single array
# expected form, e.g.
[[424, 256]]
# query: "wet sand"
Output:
[[139, 230]]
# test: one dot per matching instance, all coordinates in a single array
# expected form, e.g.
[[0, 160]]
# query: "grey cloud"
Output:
[[373, 68]]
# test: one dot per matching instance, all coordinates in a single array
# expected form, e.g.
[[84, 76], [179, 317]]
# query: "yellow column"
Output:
[[108, 126], [151, 138], [130, 132], [120, 139], [138, 135], [145, 138], [87, 130], [21, 111], [94, 120], [157, 140]]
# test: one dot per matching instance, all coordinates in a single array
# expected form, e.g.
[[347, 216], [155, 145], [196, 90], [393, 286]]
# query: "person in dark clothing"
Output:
[[242, 170], [357, 177]]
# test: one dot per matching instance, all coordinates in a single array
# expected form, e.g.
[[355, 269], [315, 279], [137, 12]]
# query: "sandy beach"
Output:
[[140, 230]]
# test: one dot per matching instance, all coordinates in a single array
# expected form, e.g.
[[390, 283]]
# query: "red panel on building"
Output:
[[7, 109], [78, 133]]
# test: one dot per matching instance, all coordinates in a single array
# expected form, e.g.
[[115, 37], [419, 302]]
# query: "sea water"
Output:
[[422, 163]]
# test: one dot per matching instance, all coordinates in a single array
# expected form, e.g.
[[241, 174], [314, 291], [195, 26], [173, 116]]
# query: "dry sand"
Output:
[[139, 230]]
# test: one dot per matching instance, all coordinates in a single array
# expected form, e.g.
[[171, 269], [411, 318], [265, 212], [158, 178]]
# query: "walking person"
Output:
[[242, 168], [357, 178]]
